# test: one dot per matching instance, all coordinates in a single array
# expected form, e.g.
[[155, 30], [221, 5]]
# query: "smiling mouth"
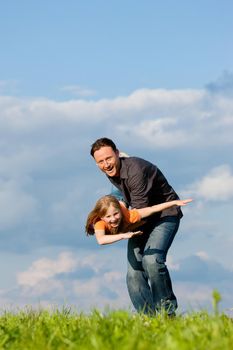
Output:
[[115, 224], [109, 170]]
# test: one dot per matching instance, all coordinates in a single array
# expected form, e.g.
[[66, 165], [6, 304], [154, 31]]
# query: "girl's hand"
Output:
[[132, 234]]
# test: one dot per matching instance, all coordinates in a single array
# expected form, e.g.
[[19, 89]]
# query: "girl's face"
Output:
[[112, 217]]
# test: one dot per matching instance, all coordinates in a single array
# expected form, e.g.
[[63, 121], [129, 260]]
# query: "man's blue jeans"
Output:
[[148, 279]]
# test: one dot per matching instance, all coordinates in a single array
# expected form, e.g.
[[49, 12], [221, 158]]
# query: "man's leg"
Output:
[[137, 281], [153, 262]]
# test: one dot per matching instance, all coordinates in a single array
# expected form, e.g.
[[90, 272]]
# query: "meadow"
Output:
[[65, 329]]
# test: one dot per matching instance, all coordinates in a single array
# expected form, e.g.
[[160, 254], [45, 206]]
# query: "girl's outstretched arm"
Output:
[[144, 212], [102, 238]]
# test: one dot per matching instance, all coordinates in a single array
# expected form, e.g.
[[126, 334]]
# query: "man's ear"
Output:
[[117, 152]]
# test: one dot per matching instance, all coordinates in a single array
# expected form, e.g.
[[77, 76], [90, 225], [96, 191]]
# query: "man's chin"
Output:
[[110, 173]]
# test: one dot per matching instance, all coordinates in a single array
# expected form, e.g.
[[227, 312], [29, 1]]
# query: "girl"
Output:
[[111, 221]]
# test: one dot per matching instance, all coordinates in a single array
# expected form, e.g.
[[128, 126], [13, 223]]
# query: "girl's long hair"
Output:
[[99, 211]]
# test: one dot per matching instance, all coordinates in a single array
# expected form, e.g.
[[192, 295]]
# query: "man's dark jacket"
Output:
[[143, 184]]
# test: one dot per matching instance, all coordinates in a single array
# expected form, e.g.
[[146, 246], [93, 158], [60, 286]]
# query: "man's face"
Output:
[[108, 161]]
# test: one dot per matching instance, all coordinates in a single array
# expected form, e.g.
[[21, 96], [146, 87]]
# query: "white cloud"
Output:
[[203, 255], [175, 266], [217, 185], [113, 276], [43, 287], [105, 286], [45, 269], [161, 118], [160, 132], [193, 296], [105, 289]]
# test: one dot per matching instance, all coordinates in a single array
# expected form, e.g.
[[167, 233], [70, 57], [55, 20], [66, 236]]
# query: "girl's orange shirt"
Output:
[[130, 217]]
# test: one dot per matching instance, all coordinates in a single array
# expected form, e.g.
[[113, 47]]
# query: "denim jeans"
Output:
[[148, 280]]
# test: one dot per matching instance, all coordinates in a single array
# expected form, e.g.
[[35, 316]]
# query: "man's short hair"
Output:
[[103, 142]]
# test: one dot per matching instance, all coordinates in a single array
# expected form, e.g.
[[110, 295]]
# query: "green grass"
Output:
[[119, 330]]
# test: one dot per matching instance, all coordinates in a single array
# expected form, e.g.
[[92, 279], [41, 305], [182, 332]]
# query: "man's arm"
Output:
[[145, 212]]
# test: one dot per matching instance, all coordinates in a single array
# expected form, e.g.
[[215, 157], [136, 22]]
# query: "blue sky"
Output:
[[113, 47], [157, 78]]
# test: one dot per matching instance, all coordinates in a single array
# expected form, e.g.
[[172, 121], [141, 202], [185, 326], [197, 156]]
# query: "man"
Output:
[[142, 184]]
